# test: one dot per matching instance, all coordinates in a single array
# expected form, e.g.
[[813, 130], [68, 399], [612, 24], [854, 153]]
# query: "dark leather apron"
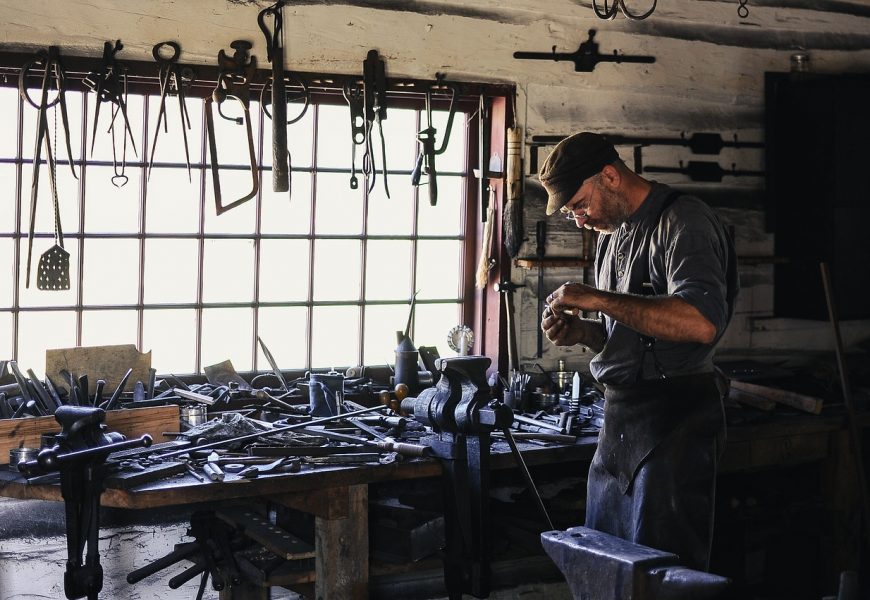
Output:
[[652, 479]]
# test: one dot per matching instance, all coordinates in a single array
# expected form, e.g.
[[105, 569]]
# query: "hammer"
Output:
[[507, 288]]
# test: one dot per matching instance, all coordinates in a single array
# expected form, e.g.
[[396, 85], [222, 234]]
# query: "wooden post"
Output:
[[341, 546]]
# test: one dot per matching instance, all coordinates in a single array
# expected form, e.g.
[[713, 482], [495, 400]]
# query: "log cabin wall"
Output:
[[708, 77]]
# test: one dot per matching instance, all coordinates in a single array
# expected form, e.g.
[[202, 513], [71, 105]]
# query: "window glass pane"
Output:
[[110, 209], [231, 138], [74, 111], [170, 336], [170, 271], [283, 330], [299, 138], [445, 218], [39, 331], [9, 107], [228, 271], [7, 195], [335, 336], [288, 213], [235, 184], [7, 262], [453, 159], [432, 323], [108, 327], [382, 323], [333, 139], [339, 208], [103, 143], [284, 270], [227, 334], [170, 141], [400, 129], [172, 202], [67, 197], [388, 270], [33, 296], [6, 335], [336, 270], [439, 268], [393, 215], [111, 271]]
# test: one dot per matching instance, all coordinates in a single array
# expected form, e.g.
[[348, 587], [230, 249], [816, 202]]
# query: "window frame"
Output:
[[325, 89]]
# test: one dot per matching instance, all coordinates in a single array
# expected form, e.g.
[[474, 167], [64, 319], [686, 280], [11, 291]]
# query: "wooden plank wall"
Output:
[[708, 77]]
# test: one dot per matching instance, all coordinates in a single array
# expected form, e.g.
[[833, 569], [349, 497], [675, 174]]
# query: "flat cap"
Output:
[[573, 161]]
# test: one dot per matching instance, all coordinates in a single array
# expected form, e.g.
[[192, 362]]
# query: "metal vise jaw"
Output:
[[460, 403], [600, 566]]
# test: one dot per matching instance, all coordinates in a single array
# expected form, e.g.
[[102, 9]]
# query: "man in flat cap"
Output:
[[665, 285]]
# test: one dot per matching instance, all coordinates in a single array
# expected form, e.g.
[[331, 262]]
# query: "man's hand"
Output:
[[572, 298], [567, 330]]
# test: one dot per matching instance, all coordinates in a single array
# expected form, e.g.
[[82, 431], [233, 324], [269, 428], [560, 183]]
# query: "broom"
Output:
[[513, 208]]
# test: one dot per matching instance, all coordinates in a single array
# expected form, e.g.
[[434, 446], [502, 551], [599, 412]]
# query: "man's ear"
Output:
[[611, 177]]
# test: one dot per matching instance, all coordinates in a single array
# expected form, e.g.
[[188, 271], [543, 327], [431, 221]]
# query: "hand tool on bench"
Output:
[[44, 397], [507, 288], [273, 364], [234, 82], [275, 55], [385, 444], [173, 79], [110, 404], [54, 264]]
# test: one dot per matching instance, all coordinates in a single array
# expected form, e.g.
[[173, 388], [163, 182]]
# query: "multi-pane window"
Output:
[[323, 275]]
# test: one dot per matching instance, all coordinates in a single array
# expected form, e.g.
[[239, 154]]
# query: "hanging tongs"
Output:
[[426, 138], [53, 76], [234, 81], [110, 85], [173, 78]]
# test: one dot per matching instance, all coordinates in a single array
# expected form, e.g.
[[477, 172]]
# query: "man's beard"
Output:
[[613, 211]]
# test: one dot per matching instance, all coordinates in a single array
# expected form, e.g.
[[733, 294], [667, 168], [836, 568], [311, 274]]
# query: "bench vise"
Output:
[[79, 454], [462, 415]]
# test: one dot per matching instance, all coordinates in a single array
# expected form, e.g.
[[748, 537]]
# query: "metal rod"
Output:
[[253, 436], [854, 431], [528, 476]]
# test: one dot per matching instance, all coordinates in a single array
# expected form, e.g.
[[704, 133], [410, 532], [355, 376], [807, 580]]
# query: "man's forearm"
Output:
[[662, 317], [591, 334]]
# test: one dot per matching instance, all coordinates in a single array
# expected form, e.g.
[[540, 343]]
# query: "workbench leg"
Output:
[[244, 591], [841, 538], [341, 547]]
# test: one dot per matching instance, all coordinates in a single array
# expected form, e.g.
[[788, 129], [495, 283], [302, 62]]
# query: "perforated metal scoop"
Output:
[[53, 269]]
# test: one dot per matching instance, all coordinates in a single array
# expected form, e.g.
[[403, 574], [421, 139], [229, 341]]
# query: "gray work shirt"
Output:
[[683, 251]]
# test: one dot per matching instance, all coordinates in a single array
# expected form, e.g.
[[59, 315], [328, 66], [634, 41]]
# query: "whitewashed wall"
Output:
[[708, 77]]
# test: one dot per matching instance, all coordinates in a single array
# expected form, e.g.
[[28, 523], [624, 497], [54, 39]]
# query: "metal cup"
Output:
[[192, 416], [21, 455]]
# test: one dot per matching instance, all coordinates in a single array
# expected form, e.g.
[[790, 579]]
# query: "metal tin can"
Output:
[[191, 416], [21, 455]]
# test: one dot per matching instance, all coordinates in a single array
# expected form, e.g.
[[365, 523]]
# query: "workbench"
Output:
[[337, 496]]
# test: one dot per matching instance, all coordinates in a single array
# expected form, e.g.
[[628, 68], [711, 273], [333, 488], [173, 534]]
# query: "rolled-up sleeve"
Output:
[[697, 260]]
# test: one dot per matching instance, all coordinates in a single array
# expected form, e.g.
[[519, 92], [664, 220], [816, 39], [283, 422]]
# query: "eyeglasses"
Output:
[[569, 213]]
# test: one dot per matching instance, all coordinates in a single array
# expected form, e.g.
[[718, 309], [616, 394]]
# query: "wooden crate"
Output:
[[131, 422]]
